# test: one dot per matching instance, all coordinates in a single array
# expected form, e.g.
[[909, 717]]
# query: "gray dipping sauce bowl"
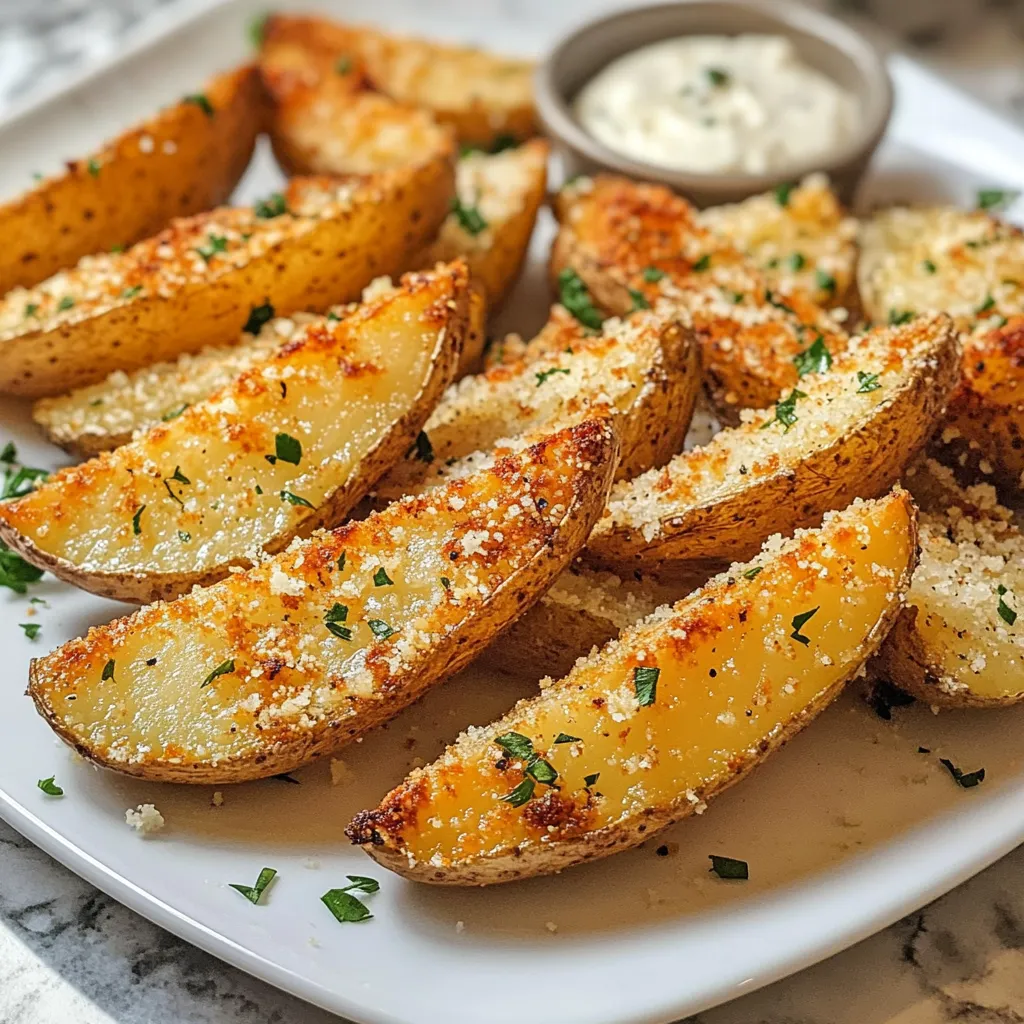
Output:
[[822, 42]]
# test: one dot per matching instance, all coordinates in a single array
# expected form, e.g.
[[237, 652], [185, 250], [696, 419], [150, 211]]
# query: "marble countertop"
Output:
[[71, 953]]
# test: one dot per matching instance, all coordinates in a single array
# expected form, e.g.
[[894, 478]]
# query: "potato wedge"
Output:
[[622, 244], [486, 98], [960, 640], [324, 120], [660, 721], [290, 445], [845, 433], [970, 265], [499, 196], [584, 609], [561, 331], [799, 236], [272, 668], [196, 283], [646, 367], [187, 158]]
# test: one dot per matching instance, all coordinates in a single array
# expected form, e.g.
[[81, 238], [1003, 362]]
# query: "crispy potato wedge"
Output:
[[196, 283], [960, 642], [800, 237], [290, 445], [324, 120], [486, 98], [561, 331], [622, 244], [584, 609], [274, 667], [970, 265], [660, 721], [845, 433], [645, 367], [499, 196], [187, 158]]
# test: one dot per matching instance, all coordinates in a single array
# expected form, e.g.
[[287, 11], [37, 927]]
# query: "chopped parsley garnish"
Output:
[[652, 275], [341, 561], [503, 141], [259, 490], [256, 29], [296, 499], [130, 293], [516, 744], [214, 245], [988, 304], [223, 669], [783, 192], [66, 303], [273, 206], [30, 629], [470, 219], [546, 374], [1006, 613], [884, 697], [824, 280], [380, 629], [542, 771], [108, 671], [751, 573], [422, 449], [900, 316], [15, 572], [253, 892], [769, 297], [446, 583], [180, 477], [639, 300], [717, 77], [521, 793], [201, 101], [31, 309], [816, 358], [382, 579], [928, 266], [645, 684], [17, 483], [93, 167], [343, 65], [9, 453], [49, 787], [589, 780], [867, 381], [286, 449], [785, 411], [729, 867], [796, 261], [344, 906], [799, 621], [137, 520], [996, 198], [173, 414], [575, 296], [563, 737], [966, 780], [703, 263], [258, 316], [184, 536], [333, 619]]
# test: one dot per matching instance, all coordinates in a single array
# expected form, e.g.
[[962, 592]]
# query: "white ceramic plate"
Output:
[[845, 831]]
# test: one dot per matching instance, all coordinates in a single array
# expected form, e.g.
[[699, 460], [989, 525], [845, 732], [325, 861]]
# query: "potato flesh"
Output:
[[291, 677], [726, 686], [336, 394]]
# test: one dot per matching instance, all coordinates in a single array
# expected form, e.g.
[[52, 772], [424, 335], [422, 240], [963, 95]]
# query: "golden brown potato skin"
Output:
[[178, 163], [614, 232], [570, 470], [313, 265], [481, 95]]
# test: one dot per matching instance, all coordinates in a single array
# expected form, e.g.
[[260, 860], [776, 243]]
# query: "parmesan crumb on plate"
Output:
[[145, 819]]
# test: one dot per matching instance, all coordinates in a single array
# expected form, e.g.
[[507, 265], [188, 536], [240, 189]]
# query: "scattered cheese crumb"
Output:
[[144, 819]]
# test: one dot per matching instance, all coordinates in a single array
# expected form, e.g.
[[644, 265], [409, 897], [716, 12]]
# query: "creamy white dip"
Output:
[[717, 103]]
